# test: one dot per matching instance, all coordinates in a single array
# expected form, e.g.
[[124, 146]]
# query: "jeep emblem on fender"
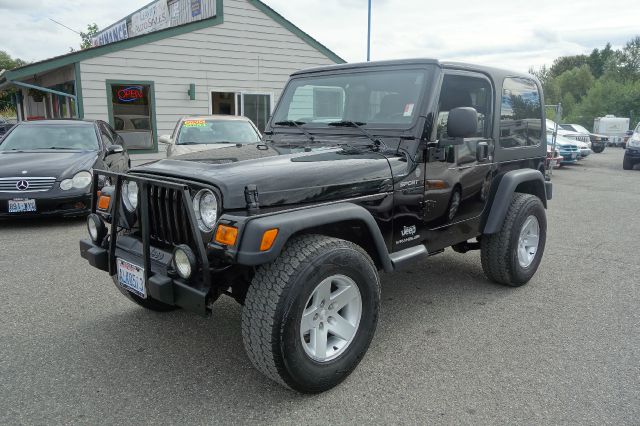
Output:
[[22, 185]]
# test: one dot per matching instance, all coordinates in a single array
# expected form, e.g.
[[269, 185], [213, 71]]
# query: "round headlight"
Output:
[[205, 203], [66, 184], [81, 180], [184, 261], [130, 195], [97, 229]]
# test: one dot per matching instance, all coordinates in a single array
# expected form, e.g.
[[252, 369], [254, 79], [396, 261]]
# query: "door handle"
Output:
[[482, 151]]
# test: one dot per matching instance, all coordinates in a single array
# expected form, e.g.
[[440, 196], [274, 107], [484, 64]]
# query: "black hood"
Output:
[[45, 163], [283, 175]]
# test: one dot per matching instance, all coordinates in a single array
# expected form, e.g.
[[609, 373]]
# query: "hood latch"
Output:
[[252, 198]]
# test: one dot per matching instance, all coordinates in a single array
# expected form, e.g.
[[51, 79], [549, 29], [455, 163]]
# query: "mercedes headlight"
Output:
[[79, 181], [130, 195], [205, 204]]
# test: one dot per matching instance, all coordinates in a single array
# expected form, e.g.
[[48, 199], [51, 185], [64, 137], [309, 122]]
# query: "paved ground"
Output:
[[451, 347]]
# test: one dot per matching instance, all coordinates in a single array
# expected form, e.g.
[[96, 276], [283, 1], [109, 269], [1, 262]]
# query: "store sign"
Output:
[[152, 18], [130, 93], [196, 8], [115, 33]]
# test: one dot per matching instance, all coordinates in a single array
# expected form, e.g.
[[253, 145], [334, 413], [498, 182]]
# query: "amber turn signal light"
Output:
[[103, 202], [268, 238], [226, 235]]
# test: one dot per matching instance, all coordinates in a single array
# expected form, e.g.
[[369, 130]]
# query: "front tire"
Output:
[[627, 164], [512, 256], [598, 149], [309, 316]]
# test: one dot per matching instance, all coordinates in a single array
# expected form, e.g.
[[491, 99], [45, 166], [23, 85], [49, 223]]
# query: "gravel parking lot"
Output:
[[451, 347]]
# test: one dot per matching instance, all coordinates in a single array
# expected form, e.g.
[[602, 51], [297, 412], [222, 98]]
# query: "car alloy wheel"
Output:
[[528, 241], [331, 318]]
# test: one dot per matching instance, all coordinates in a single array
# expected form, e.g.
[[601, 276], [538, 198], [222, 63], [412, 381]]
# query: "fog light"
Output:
[[96, 227], [184, 261]]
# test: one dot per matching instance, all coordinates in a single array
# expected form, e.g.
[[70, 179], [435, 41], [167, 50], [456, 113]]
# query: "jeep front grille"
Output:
[[168, 218]]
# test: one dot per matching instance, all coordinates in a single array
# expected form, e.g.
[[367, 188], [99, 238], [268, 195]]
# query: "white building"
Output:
[[169, 59]]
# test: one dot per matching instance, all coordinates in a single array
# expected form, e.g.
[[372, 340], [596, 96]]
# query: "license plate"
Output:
[[22, 206], [573, 156], [131, 277]]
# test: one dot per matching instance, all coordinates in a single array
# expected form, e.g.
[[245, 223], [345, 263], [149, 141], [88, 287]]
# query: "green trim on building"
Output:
[[297, 31], [78, 86], [152, 99]]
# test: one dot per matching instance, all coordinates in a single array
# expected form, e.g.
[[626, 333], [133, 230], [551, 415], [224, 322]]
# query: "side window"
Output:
[[465, 91], [520, 114], [105, 134], [114, 136]]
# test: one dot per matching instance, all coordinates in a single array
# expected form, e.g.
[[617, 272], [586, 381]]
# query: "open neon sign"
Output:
[[130, 94]]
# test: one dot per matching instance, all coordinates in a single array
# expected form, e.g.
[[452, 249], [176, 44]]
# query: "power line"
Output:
[[63, 25]]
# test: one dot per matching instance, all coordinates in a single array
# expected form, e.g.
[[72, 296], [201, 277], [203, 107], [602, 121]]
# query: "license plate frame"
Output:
[[22, 205], [131, 277]]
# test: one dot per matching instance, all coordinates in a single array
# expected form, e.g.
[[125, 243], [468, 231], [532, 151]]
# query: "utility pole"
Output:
[[369, 34]]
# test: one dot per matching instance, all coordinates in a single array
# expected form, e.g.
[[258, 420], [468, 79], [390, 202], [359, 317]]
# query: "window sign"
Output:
[[152, 18], [130, 93], [117, 32], [196, 8]]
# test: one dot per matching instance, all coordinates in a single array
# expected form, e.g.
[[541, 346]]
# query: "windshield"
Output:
[[389, 97], [216, 131], [55, 136]]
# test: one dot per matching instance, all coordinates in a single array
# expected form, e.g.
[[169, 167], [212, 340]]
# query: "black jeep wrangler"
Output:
[[363, 168]]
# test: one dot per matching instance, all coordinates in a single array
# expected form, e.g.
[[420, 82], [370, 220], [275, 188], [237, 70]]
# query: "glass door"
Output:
[[132, 114]]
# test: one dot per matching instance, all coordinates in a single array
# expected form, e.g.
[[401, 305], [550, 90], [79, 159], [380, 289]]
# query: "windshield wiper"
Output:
[[358, 125], [62, 147], [298, 124]]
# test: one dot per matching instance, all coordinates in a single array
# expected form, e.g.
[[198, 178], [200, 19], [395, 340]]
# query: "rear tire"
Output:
[[282, 319], [509, 257], [148, 303], [627, 164]]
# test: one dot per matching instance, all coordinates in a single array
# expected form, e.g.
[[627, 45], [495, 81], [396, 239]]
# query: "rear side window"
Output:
[[520, 114]]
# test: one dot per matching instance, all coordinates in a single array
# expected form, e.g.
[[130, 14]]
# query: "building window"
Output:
[[520, 115]]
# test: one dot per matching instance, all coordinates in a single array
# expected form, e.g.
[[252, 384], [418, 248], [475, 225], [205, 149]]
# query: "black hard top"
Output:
[[415, 61]]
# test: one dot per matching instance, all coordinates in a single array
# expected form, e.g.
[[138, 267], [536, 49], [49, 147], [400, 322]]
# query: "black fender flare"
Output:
[[506, 187], [292, 222]]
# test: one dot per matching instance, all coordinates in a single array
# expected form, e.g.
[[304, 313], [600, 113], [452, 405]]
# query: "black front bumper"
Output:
[[633, 153], [160, 286], [69, 206]]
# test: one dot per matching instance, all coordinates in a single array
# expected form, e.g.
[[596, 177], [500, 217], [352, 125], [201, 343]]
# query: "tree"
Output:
[[567, 63], [92, 31], [8, 63]]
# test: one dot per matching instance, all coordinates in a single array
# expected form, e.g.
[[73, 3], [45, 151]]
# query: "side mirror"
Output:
[[114, 149], [462, 123], [165, 139]]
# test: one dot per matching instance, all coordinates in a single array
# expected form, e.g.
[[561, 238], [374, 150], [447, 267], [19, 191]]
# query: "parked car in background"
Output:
[[553, 157], [6, 125], [576, 136], [612, 126], [46, 167], [569, 151], [202, 133], [632, 152], [598, 141], [627, 136]]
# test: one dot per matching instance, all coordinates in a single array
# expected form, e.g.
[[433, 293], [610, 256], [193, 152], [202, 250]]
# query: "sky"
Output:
[[514, 34]]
